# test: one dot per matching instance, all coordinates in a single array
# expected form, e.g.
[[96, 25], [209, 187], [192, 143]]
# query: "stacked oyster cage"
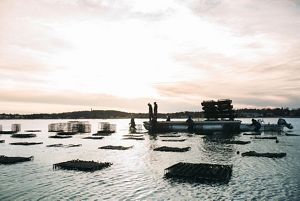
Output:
[[106, 127], [16, 127], [218, 109], [70, 126]]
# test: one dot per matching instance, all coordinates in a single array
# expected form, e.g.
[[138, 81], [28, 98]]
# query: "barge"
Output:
[[198, 126], [219, 118]]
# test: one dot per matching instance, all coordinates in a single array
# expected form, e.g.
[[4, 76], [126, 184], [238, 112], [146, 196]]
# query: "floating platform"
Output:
[[236, 142], [133, 138], [256, 133], [73, 145], [60, 136], [198, 126], [26, 143], [33, 131], [172, 149], [225, 141], [101, 134], [80, 165], [55, 145], [169, 136], [133, 135], [269, 155], [200, 172], [66, 133], [287, 134], [13, 160], [26, 135], [265, 138], [115, 147], [106, 132], [64, 146], [8, 132], [94, 137], [173, 140]]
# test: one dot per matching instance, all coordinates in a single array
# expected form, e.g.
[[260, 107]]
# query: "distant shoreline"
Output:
[[113, 114]]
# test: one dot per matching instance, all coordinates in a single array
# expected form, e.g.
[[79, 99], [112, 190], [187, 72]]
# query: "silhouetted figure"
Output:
[[190, 123], [256, 124], [155, 111], [132, 123], [168, 118], [282, 122], [150, 112]]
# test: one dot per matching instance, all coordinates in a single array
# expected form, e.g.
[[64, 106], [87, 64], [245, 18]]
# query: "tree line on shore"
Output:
[[113, 114]]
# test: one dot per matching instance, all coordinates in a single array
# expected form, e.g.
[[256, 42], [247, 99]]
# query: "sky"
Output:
[[72, 55]]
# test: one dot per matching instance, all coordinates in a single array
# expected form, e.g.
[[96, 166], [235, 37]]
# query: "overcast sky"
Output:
[[105, 54]]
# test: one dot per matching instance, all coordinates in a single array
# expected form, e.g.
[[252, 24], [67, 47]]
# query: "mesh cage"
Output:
[[70, 126], [106, 126], [16, 127]]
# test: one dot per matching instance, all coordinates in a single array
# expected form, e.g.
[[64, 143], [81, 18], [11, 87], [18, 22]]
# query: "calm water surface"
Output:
[[137, 174]]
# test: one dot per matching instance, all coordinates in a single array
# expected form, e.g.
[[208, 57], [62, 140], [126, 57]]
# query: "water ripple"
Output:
[[137, 174]]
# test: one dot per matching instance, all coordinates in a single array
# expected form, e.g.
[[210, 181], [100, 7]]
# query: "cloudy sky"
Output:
[[69, 55]]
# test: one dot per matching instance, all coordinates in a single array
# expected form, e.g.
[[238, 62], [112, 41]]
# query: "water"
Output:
[[137, 173]]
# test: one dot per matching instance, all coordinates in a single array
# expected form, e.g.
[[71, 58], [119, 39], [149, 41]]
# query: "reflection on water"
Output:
[[137, 173]]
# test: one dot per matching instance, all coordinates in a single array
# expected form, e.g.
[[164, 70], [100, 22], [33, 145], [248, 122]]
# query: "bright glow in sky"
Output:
[[103, 54]]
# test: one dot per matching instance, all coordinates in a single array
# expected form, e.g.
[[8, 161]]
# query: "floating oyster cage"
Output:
[[200, 172], [26, 143], [14, 129], [115, 147], [268, 155], [172, 149], [106, 126], [25, 135], [13, 160], [70, 126], [80, 165]]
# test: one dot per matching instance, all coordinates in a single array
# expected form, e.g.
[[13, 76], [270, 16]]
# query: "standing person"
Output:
[[155, 112], [132, 125], [150, 112]]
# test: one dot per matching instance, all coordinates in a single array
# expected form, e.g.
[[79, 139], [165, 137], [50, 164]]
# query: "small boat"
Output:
[[281, 124]]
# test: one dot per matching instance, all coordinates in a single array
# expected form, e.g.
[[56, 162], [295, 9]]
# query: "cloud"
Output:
[[260, 64], [93, 52]]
